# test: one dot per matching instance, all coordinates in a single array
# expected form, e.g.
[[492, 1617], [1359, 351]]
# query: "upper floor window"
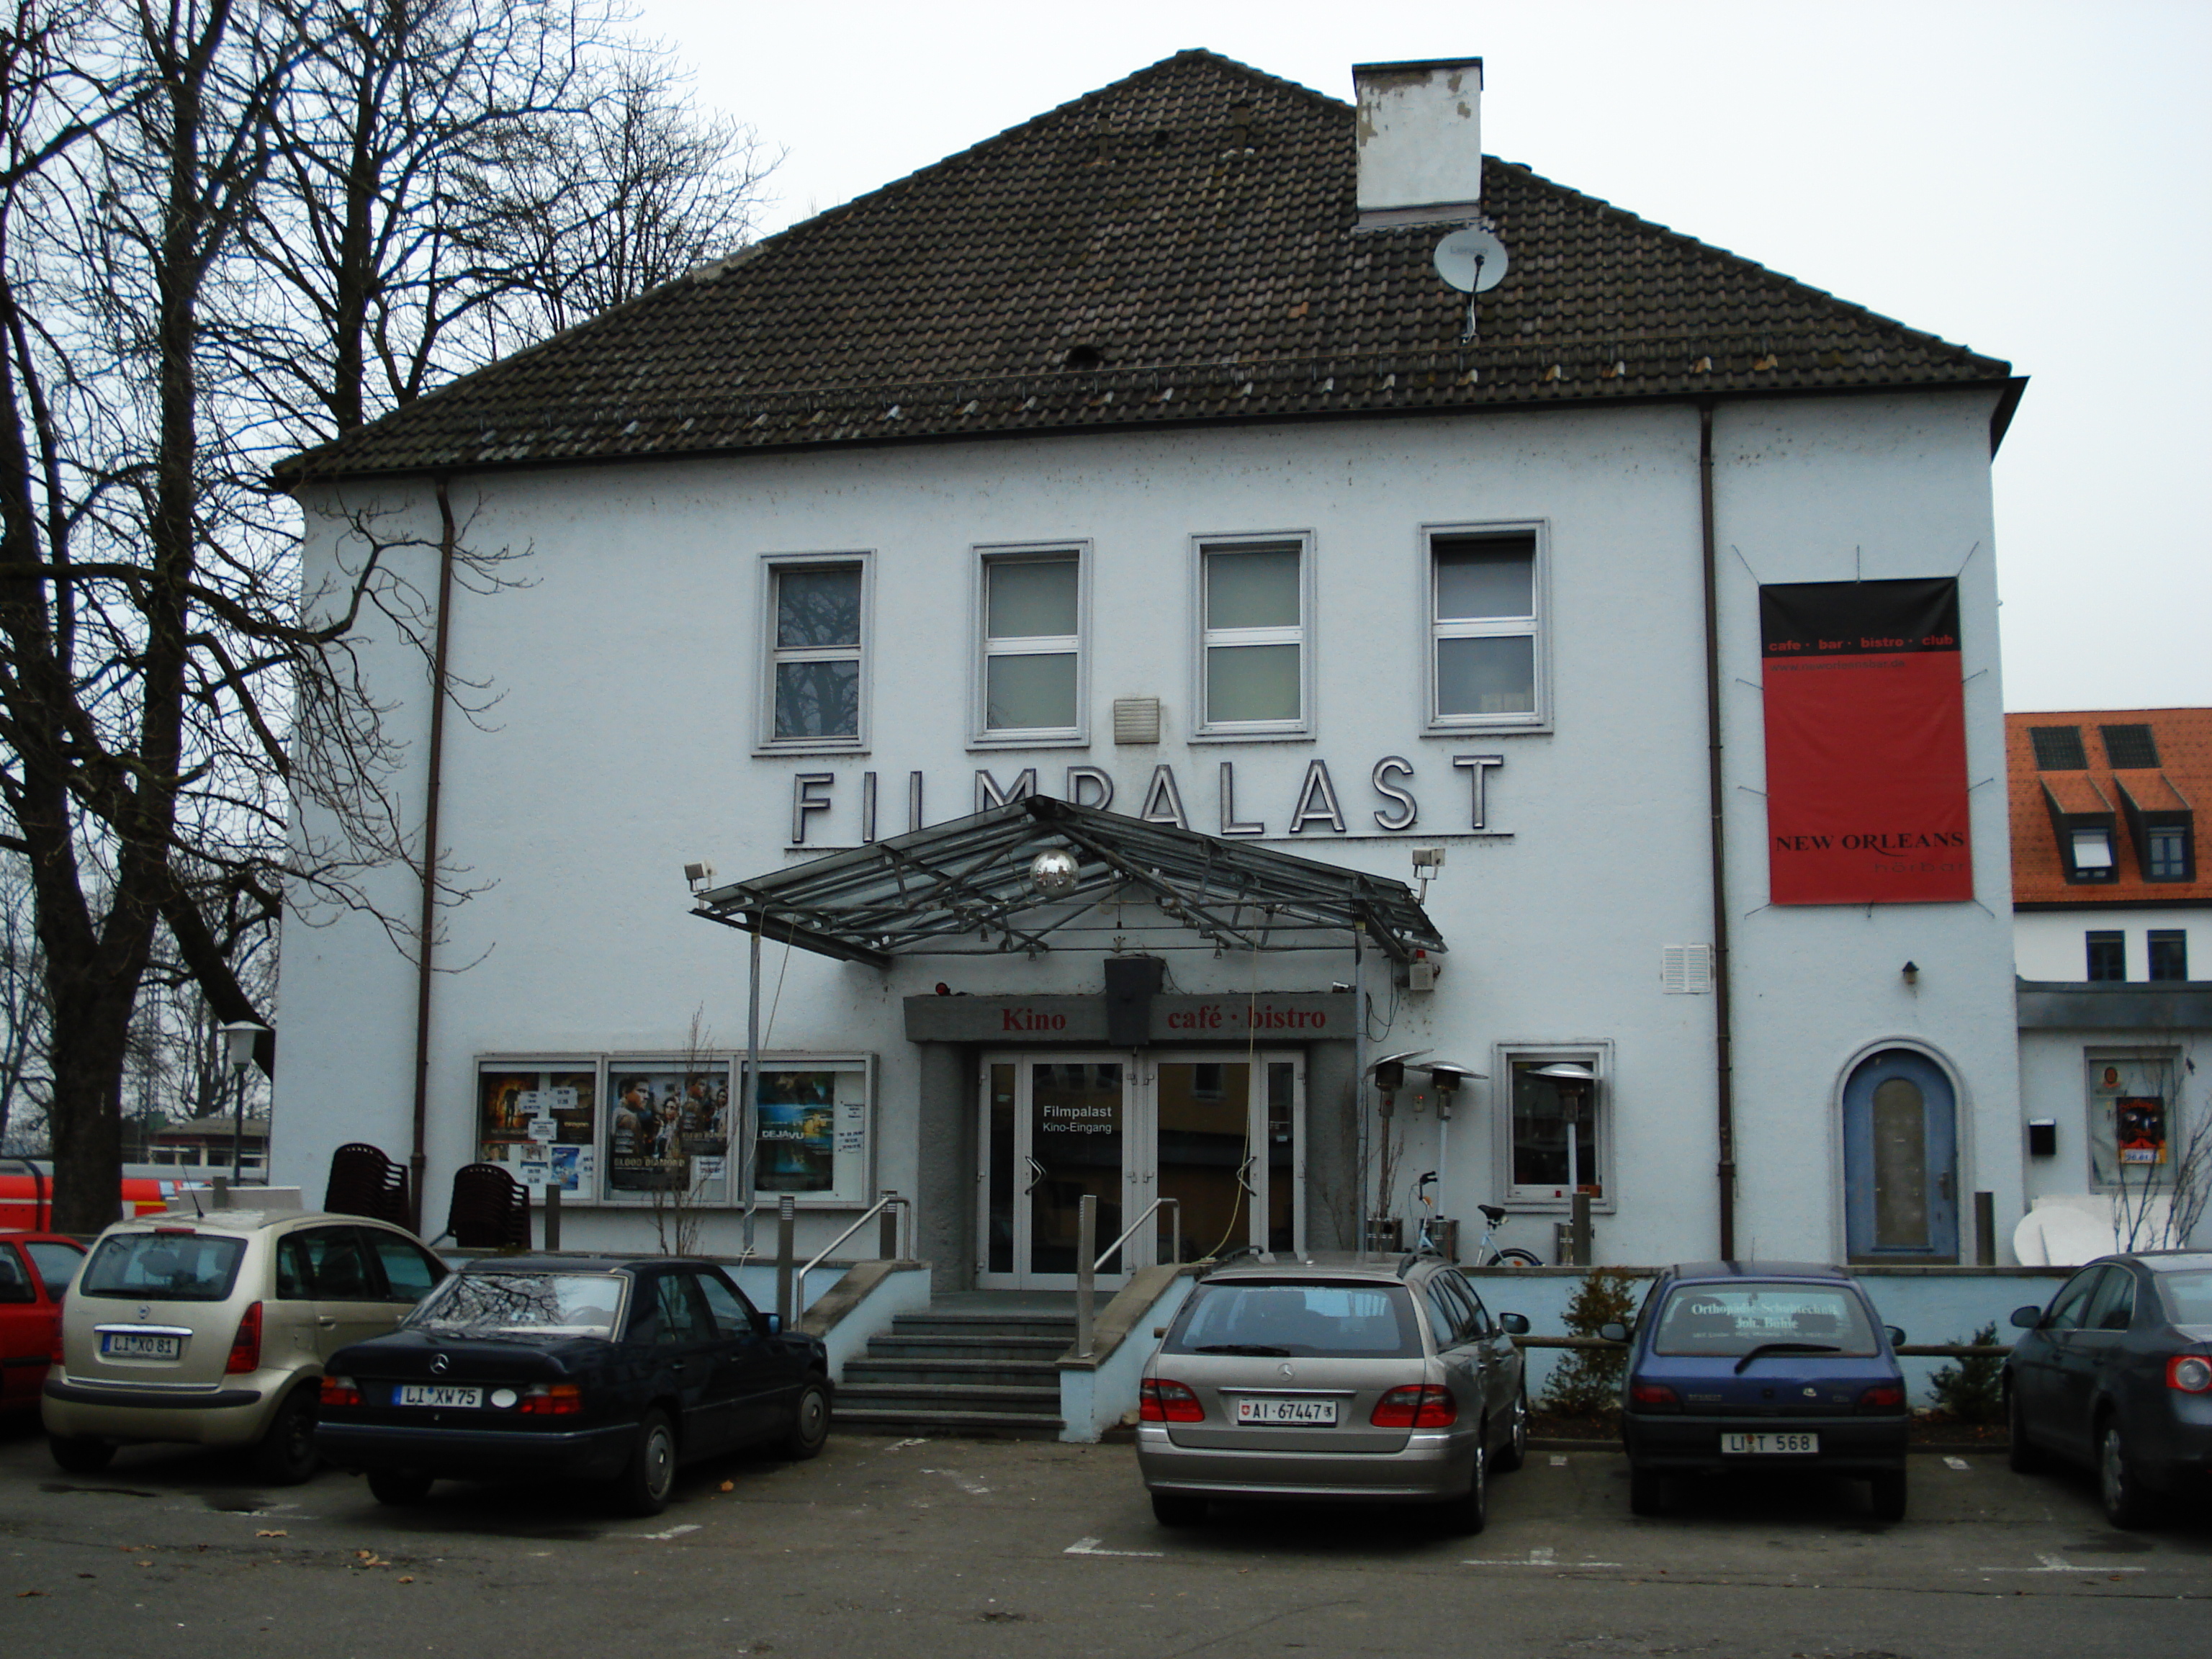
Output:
[[2089, 855], [1486, 623], [817, 619], [2059, 749], [2166, 853], [2169, 953], [2108, 956], [1254, 649], [1030, 675]]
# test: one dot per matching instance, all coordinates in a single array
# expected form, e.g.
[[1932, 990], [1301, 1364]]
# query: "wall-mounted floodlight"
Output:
[[1427, 861], [700, 875]]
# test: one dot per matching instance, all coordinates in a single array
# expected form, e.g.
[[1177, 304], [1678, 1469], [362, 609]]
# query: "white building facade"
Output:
[[1476, 620]]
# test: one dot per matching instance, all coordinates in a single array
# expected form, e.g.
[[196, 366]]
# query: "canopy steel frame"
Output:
[[963, 888]]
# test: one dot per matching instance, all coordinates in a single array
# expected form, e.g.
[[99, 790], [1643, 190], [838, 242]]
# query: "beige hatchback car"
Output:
[[212, 1329]]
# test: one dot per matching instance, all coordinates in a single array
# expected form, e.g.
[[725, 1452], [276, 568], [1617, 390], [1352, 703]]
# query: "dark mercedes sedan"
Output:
[[2116, 1374], [576, 1368]]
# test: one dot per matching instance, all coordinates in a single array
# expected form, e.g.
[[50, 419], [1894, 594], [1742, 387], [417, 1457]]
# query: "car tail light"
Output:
[[1882, 1397], [1162, 1401], [1654, 1396], [2191, 1373], [340, 1391], [1416, 1406], [551, 1400], [245, 1346]]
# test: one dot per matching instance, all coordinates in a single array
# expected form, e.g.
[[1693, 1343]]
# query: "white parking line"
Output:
[[1539, 1556], [1089, 1546], [1558, 1459], [2059, 1564], [673, 1532], [1959, 1463]]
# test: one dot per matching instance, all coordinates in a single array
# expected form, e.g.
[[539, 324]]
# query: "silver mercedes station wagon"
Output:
[[1333, 1378]]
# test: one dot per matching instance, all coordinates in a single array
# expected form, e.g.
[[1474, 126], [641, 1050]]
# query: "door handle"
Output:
[[1037, 1177], [1943, 1185], [1243, 1171], [328, 1324]]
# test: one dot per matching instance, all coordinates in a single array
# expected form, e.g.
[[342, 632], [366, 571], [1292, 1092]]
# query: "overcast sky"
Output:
[[2030, 179]]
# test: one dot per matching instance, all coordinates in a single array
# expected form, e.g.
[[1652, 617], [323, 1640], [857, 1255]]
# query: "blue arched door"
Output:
[[1900, 1160]]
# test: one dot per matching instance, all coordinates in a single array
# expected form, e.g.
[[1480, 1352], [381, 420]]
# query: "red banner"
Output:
[[1866, 743]]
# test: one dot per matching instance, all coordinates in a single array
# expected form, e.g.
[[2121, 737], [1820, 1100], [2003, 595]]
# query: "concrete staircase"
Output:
[[973, 1365]]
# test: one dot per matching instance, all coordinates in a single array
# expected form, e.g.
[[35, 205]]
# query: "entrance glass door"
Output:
[[1221, 1135]]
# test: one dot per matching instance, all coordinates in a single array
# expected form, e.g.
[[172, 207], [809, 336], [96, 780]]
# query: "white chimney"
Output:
[[1420, 141]]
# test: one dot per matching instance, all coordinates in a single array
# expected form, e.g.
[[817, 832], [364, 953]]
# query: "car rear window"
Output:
[[167, 1266], [559, 1304], [2188, 1296], [1298, 1320], [1728, 1320]]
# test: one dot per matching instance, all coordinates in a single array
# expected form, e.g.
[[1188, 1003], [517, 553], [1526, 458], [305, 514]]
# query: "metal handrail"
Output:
[[1175, 1234], [1086, 1268], [887, 1201]]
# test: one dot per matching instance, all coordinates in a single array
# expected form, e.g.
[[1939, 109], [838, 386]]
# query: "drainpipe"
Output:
[[417, 1162], [1724, 1035]]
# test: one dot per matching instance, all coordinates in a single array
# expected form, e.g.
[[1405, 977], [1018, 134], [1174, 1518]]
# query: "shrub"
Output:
[[1586, 1382], [1972, 1391]]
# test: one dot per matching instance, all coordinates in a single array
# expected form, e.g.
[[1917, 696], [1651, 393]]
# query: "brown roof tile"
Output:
[[2182, 781], [1193, 225]]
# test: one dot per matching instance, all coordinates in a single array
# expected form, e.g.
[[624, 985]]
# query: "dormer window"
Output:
[[2092, 852]]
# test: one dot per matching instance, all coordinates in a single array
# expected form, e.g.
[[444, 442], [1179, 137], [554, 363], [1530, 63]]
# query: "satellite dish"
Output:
[[1472, 259]]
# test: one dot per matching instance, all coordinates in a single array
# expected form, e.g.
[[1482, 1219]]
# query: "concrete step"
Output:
[[939, 1346], [1007, 1373], [976, 1425], [926, 1398], [972, 1324]]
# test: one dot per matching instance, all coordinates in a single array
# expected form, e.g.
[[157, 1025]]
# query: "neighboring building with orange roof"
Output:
[[2112, 941]]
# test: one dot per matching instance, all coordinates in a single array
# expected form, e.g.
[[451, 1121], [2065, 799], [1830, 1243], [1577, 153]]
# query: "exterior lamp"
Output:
[[700, 875], [1912, 973], [1574, 1084], [1054, 871], [239, 1037]]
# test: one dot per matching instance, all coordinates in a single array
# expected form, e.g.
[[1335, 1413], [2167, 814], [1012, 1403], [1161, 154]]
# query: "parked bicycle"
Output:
[[1488, 1253]]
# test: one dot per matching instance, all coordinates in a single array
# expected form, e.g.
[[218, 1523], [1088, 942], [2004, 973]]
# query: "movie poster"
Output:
[[668, 1129], [1866, 742], [796, 1144], [510, 1097]]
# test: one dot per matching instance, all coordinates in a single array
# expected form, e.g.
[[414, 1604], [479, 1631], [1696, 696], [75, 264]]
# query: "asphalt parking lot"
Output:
[[943, 1546]]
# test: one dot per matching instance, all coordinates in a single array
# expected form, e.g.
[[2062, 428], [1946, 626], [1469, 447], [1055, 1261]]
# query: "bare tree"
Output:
[[24, 1073], [228, 228]]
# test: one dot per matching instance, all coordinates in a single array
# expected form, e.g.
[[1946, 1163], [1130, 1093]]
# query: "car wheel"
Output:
[[810, 1421], [1172, 1508], [1515, 1452], [2128, 1502], [399, 1487], [1889, 1495], [79, 1453], [1647, 1492], [643, 1487], [286, 1454], [1471, 1513], [2022, 1455]]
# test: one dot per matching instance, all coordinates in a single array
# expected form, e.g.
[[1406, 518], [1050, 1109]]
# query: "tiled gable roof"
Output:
[[2181, 741], [1191, 225]]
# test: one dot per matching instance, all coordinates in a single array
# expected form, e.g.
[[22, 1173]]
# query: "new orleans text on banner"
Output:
[[1866, 742]]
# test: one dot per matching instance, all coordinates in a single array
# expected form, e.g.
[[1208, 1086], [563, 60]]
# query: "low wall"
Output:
[[1929, 1304], [1097, 1390], [859, 1307]]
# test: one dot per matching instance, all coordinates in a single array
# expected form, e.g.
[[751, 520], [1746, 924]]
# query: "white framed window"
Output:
[[1032, 613], [814, 694], [1255, 647], [1488, 665], [1553, 1133]]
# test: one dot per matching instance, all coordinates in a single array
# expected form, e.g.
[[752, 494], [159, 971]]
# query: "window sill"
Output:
[[1301, 734], [992, 743], [1530, 727], [812, 746]]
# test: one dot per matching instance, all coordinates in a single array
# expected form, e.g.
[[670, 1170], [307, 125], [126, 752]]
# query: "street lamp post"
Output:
[[238, 1039]]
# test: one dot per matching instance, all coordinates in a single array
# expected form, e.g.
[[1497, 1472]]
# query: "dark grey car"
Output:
[[2116, 1374], [1333, 1378]]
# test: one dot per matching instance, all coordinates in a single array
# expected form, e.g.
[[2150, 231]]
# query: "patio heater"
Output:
[[1574, 1085]]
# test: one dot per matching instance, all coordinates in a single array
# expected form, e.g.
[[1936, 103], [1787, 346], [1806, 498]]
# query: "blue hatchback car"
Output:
[[1767, 1365]]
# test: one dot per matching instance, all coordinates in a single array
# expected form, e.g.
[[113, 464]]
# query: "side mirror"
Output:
[[1613, 1331], [1513, 1324], [774, 1323], [1896, 1335], [2027, 1318]]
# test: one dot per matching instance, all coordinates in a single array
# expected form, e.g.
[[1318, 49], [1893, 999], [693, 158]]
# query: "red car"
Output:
[[35, 1271]]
